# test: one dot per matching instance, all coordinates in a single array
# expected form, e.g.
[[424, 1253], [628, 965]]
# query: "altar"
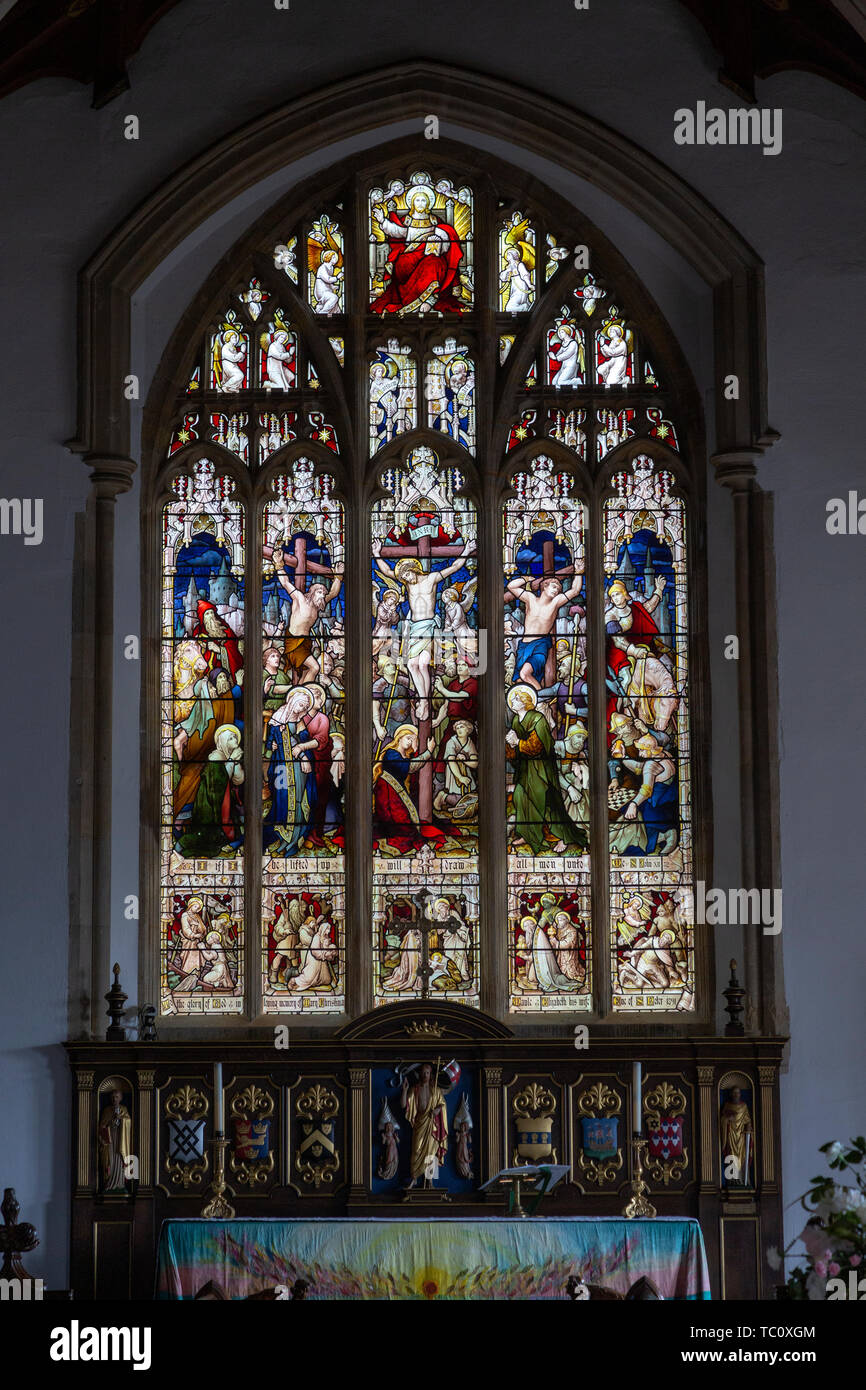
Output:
[[431, 1258]]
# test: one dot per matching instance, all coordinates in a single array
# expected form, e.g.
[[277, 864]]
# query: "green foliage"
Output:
[[837, 1222]]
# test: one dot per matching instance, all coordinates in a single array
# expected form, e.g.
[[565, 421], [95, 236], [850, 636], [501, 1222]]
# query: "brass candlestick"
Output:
[[637, 1204], [218, 1206]]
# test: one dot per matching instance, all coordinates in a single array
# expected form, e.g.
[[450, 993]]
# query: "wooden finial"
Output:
[[116, 1000], [735, 995], [16, 1237]]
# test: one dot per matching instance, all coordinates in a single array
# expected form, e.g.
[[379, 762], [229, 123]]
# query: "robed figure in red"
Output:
[[424, 257], [630, 626]]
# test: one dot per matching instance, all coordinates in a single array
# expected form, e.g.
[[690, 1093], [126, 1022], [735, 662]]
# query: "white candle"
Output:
[[218, 1096], [636, 1117]]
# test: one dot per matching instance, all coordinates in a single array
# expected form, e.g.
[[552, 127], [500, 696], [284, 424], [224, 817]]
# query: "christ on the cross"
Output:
[[420, 628]]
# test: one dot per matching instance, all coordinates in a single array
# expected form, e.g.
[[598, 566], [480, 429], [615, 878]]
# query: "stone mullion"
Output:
[[358, 668], [596, 686], [253, 703], [492, 848]]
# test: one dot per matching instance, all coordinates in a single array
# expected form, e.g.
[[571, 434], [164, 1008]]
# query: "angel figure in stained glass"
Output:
[[566, 349], [457, 604], [280, 359], [229, 361], [519, 257], [325, 264], [616, 348]]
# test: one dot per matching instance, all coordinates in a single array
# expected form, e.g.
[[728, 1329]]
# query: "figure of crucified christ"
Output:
[[541, 610], [307, 608], [420, 626]]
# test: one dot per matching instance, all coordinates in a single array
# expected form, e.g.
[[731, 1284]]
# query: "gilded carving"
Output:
[[533, 1111], [425, 1029], [667, 1156], [186, 1160], [599, 1156], [252, 1159], [317, 1159]]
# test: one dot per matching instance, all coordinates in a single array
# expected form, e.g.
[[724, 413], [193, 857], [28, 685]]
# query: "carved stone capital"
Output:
[[493, 1076], [736, 469], [84, 1079], [358, 1078], [110, 474]]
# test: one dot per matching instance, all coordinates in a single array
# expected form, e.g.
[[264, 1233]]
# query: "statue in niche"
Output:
[[463, 1138], [735, 1129], [114, 1138], [389, 1135], [423, 1104]]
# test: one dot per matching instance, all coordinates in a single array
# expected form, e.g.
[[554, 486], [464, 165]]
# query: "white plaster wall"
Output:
[[69, 177]]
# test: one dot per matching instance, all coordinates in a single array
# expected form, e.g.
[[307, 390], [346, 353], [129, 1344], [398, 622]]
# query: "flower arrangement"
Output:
[[835, 1234]]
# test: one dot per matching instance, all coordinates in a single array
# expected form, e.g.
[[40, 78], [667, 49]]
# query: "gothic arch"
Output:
[[590, 150]]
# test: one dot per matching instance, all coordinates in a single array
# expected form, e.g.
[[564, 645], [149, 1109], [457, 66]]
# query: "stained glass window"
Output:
[[649, 763], [516, 265], [393, 394], [421, 247], [566, 353], [449, 390], [326, 281], [362, 429], [201, 791], [304, 744], [425, 739], [547, 697]]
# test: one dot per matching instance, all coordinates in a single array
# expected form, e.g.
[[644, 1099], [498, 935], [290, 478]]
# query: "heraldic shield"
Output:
[[185, 1140], [665, 1137], [600, 1137], [252, 1138]]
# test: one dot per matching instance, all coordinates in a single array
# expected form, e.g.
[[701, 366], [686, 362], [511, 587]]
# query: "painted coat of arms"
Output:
[[665, 1137]]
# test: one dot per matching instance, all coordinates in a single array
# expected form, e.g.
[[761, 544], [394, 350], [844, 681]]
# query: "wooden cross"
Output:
[[303, 566], [425, 550]]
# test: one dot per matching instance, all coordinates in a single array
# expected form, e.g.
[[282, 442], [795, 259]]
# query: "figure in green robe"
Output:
[[214, 828], [537, 800]]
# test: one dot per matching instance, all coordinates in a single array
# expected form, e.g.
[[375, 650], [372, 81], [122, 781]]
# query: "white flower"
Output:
[[835, 1150], [841, 1199], [774, 1259]]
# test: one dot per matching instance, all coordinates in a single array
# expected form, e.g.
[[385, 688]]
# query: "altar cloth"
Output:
[[432, 1258]]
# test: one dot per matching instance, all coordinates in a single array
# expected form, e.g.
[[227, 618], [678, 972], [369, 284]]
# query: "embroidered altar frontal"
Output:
[[432, 1258]]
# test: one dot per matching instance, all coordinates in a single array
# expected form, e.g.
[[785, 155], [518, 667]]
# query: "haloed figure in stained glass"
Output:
[[424, 229], [539, 809]]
